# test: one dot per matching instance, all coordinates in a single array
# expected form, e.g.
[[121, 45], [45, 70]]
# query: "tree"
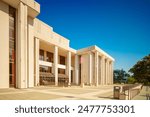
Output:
[[120, 75], [141, 70], [131, 80]]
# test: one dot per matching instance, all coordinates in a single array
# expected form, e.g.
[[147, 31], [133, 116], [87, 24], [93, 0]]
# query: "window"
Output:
[[61, 71], [62, 60], [41, 55], [45, 69], [49, 57], [12, 49]]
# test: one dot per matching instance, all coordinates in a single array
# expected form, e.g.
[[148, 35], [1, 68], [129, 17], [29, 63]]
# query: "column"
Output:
[[22, 47], [107, 71], [99, 71], [82, 75], [77, 69], [105, 80], [36, 60], [30, 52], [56, 65], [96, 68], [69, 66], [102, 69], [90, 68], [111, 72]]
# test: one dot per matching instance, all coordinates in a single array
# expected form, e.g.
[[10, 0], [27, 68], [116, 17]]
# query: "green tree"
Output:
[[131, 80], [141, 70], [120, 75]]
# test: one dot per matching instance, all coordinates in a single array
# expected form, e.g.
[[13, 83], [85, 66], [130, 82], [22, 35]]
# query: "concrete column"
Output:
[[56, 65], [108, 82], [96, 68], [107, 71], [77, 69], [102, 69], [22, 47], [69, 66], [82, 71], [30, 49], [111, 73], [99, 71], [90, 68], [36, 61]]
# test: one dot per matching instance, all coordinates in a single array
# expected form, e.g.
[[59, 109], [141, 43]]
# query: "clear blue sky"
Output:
[[119, 27]]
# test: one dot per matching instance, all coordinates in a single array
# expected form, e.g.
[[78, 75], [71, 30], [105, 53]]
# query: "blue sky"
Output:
[[119, 27]]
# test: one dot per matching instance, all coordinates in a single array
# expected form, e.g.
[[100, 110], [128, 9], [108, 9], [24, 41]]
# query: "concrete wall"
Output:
[[4, 45], [46, 33]]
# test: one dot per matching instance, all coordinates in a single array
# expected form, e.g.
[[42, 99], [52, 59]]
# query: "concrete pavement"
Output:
[[58, 93]]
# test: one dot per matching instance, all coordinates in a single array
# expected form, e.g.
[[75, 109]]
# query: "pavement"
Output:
[[65, 93], [58, 93], [142, 95]]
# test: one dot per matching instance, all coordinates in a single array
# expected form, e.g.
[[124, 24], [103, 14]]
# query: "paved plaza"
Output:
[[63, 93], [142, 95], [58, 93]]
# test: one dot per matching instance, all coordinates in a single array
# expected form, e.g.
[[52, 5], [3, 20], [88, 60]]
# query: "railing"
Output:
[[49, 79], [130, 91]]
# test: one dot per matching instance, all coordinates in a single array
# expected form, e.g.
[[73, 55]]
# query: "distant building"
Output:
[[32, 54]]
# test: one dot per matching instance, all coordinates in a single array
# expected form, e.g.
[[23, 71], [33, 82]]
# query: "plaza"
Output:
[[64, 93], [58, 93]]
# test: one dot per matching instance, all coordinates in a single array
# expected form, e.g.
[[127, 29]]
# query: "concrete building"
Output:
[[32, 54]]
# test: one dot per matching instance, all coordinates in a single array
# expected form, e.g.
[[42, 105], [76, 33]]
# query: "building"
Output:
[[30, 51]]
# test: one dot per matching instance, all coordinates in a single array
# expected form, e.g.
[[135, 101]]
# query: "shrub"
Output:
[[131, 80]]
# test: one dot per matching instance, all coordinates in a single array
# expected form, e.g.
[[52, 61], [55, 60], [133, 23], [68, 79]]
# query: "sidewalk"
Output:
[[58, 93], [142, 94]]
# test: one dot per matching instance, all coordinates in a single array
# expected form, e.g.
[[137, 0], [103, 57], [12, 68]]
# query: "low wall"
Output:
[[127, 92], [130, 91]]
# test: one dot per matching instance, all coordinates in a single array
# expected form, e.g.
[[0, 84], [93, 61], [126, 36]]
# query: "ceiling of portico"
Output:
[[50, 47]]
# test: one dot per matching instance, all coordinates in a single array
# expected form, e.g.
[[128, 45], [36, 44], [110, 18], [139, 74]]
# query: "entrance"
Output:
[[12, 49]]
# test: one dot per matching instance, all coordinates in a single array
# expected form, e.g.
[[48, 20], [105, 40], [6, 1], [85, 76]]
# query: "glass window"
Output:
[[45, 69], [41, 55], [11, 33], [12, 46], [62, 60], [61, 71], [49, 57], [11, 23]]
